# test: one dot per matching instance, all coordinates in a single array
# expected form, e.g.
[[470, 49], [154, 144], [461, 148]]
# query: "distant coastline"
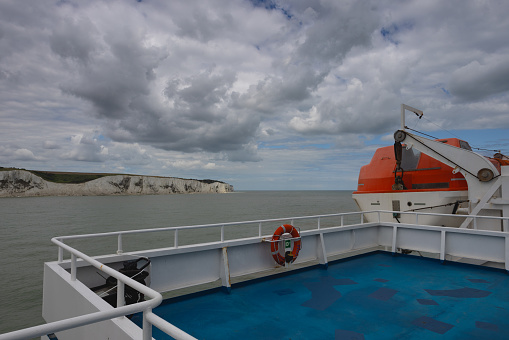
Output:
[[29, 183]]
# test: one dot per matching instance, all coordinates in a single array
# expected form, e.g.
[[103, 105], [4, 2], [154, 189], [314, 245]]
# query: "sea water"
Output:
[[28, 224]]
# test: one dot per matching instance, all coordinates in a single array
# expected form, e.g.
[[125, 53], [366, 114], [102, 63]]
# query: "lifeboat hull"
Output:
[[441, 202], [429, 186]]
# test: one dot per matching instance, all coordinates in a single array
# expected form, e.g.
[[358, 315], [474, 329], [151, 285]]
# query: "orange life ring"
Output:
[[274, 246]]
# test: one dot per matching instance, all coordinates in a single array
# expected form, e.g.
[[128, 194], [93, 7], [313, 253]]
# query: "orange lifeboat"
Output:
[[427, 184]]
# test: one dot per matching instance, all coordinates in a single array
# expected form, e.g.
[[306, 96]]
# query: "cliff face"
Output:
[[22, 183]]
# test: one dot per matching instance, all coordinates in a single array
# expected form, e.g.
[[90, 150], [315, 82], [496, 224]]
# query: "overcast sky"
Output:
[[290, 94]]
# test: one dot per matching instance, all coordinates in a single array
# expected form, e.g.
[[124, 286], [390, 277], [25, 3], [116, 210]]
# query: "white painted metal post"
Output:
[[60, 254], [119, 244], [507, 253], [176, 238], [222, 233], [442, 245], [318, 222], [378, 213], [120, 294], [362, 218], [394, 237], [475, 223], [225, 271], [342, 220], [260, 229], [416, 218], [322, 255], [147, 326], [73, 267]]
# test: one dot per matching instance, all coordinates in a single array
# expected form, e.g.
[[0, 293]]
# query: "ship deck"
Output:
[[371, 296]]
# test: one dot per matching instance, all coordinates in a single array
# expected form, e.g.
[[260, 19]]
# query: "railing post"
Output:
[[60, 254], [442, 246], [73, 267], [176, 238], [342, 220], [120, 294], [475, 222], [147, 326], [362, 218], [318, 222], [260, 229], [416, 218], [222, 233], [378, 213], [394, 239], [119, 245]]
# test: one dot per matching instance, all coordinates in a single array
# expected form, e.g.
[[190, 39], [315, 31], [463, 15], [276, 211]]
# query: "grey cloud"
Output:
[[274, 93], [477, 81], [50, 145], [118, 81], [336, 30], [74, 39], [204, 25], [249, 153]]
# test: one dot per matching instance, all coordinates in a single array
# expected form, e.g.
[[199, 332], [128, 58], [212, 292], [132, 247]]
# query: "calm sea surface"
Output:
[[28, 224]]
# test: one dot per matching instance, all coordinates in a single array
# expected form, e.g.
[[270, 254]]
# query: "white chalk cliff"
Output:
[[21, 183]]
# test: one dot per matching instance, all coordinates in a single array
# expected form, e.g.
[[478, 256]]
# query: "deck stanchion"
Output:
[[442, 246], [394, 238], [507, 253], [147, 326], [176, 244], [119, 244], [475, 223], [60, 254], [120, 294], [222, 233], [260, 229], [73, 267], [318, 222], [416, 218], [342, 220]]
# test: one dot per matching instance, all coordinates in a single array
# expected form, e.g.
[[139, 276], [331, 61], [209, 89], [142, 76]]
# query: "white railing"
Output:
[[475, 218], [154, 298], [176, 230], [146, 306]]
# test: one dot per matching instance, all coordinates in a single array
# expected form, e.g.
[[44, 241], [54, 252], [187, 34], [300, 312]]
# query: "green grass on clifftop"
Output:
[[81, 177], [66, 178]]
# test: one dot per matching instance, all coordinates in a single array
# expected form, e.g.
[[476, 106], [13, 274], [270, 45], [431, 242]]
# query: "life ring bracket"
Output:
[[290, 252]]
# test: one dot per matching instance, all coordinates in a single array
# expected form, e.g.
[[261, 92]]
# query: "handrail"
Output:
[[145, 306], [151, 230], [119, 234]]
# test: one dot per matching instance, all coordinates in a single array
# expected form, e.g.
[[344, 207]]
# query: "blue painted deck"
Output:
[[374, 296]]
